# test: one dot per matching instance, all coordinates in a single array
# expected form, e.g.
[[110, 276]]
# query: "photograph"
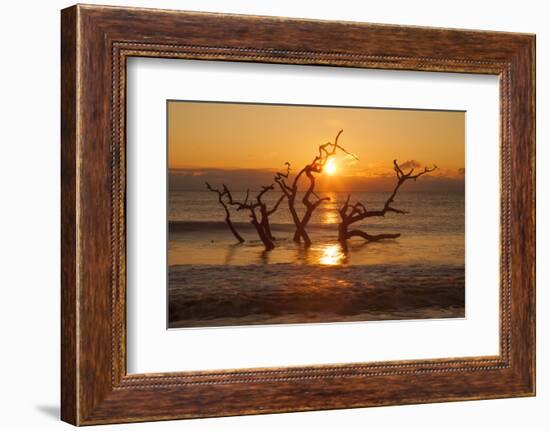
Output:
[[282, 211], [287, 214]]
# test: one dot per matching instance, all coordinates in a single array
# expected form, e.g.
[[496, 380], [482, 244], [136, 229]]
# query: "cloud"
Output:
[[386, 184], [254, 179], [193, 179], [409, 164]]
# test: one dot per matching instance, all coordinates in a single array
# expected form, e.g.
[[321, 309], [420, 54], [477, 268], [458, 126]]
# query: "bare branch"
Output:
[[261, 222], [285, 175], [276, 206], [264, 190], [311, 200], [359, 211], [228, 221], [280, 180]]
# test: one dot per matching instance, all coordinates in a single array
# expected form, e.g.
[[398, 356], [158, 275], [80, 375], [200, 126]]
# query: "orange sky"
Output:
[[228, 136]]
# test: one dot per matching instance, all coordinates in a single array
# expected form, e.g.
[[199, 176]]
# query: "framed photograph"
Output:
[[265, 215]]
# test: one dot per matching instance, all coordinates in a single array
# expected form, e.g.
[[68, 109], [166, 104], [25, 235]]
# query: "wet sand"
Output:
[[223, 295]]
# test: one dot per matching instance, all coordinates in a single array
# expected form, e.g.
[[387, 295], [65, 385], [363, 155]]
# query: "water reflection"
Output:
[[328, 254], [264, 257], [330, 215], [332, 255], [230, 253], [325, 253]]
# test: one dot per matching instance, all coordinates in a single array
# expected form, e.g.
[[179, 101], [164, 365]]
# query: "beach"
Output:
[[286, 293], [215, 281]]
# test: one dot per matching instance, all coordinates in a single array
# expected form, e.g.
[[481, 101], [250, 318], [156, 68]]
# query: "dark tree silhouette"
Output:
[[261, 222], [353, 213], [266, 213], [310, 200], [221, 195]]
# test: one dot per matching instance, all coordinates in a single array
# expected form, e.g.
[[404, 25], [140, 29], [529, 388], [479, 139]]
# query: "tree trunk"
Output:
[[342, 232], [300, 233], [265, 223], [268, 243], [302, 229]]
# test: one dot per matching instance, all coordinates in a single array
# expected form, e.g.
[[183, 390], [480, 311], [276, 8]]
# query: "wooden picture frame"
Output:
[[95, 43]]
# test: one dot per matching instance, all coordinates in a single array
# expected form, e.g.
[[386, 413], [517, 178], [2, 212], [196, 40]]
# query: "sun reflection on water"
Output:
[[330, 215], [332, 255]]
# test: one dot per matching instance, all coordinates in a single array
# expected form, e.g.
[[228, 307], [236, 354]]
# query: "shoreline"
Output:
[[222, 295]]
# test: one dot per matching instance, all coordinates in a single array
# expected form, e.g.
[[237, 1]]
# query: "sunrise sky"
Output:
[[243, 144]]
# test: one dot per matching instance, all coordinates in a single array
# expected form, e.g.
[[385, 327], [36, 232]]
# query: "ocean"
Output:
[[215, 281]]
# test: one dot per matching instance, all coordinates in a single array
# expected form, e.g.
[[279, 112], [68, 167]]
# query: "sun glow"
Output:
[[330, 167], [332, 255]]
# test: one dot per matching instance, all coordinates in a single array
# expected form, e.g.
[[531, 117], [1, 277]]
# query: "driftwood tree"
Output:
[[310, 200], [221, 195], [353, 213], [258, 212]]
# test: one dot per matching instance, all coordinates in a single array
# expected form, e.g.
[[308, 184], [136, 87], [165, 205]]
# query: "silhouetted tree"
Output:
[[259, 221], [221, 195], [310, 200], [350, 214]]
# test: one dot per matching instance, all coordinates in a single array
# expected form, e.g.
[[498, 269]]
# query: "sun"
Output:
[[330, 167]]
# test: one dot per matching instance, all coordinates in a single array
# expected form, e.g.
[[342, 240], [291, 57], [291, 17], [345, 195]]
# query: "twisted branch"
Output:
[[261, 223], [221, 195], [315, 167], [350, 214]]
